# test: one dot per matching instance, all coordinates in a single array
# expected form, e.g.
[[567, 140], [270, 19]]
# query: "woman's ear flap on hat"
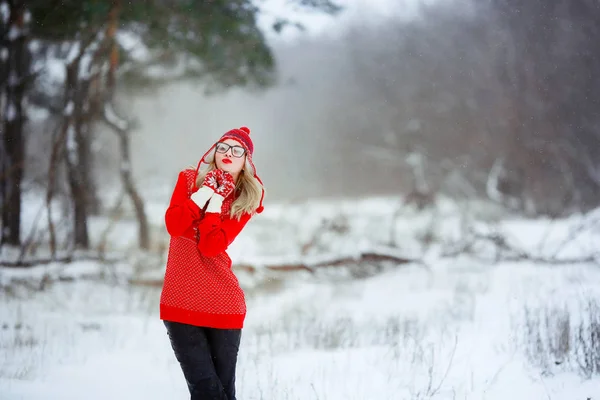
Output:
[[260, 205]]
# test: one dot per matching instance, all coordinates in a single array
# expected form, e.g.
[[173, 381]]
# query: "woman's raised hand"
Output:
[[226, 184]]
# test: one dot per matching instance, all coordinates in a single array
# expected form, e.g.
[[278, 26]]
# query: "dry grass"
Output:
[[554, 339]]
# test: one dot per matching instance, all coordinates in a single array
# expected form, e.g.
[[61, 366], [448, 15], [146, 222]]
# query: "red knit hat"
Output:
[[241, 135]]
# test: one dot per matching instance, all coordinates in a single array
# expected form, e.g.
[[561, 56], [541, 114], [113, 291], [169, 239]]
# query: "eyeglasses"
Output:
[[237, 151]]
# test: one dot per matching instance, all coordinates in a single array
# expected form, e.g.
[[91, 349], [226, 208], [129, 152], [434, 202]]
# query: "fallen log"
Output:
[[310, 266], [335, 261]]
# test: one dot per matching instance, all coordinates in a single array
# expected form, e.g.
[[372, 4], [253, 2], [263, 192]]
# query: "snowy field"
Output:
[[469, 320]]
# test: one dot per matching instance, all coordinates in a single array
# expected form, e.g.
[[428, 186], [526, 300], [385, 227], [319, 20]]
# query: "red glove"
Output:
[[208, 188], [212, 179], [226, 184], [226, 187]]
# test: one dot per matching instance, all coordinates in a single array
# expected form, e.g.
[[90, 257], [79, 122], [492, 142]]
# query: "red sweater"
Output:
[[199, 287]]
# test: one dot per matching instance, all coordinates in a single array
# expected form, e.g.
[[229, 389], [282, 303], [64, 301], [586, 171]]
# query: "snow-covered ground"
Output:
[[454, 326]]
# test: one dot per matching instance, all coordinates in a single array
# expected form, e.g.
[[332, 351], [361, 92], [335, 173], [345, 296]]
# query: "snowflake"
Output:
[[212, 181]]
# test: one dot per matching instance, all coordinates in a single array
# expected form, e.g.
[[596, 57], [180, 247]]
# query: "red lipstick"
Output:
[[226, 161]]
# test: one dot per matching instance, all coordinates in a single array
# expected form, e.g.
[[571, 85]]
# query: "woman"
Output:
[[202, 304]]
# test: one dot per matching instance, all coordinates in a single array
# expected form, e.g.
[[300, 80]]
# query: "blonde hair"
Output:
[[249, 188]]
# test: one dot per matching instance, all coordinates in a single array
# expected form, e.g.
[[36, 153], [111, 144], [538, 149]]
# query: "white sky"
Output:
[[318, 23]]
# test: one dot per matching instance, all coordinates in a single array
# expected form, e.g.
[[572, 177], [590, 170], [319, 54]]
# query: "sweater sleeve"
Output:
[[217, 235], [182, 211]]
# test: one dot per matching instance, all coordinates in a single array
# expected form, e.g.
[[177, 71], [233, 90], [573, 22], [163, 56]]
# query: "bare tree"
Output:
[[503, 80]]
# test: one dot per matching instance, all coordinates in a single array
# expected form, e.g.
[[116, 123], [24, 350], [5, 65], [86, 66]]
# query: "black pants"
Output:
[[208, 358]]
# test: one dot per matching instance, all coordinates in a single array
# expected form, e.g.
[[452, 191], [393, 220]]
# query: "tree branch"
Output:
[[44, 261]]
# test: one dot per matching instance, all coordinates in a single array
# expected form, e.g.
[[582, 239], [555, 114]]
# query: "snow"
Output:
[[72, 146], [392, 336], [85, 65], [113, 118], [56, 69], [133, 45], [5, 12], [11, 111], [14, 32], [51, 75], [13, 79], [34, 46], [125, 166], [74, 49], [452, 327], [69, 108]]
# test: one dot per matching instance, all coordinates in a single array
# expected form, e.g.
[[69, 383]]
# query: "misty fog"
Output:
[[299, 149]]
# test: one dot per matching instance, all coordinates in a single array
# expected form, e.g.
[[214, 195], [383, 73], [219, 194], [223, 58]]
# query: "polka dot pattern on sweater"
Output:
[[198, 283]]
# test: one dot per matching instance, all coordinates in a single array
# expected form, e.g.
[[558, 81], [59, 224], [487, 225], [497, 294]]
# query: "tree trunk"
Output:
[[4, 157], [77, 127], [91, 112], [122, 129], [138, 203], [87, 165], [74, 154], [16, 75]]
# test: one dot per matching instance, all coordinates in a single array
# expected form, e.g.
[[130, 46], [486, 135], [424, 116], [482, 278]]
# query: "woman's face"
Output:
[[230, 156]]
